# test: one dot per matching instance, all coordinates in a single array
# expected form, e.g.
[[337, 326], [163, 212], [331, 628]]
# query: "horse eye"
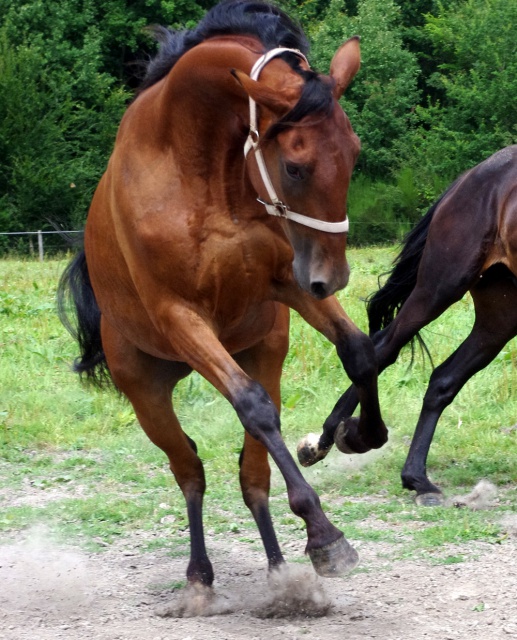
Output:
[[294, 172]]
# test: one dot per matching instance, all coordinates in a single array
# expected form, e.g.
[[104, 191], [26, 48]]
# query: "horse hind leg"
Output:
[[254, 478], [495, 301], [148, 383]]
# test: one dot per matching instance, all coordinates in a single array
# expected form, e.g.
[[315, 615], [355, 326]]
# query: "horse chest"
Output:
[[240, 268]]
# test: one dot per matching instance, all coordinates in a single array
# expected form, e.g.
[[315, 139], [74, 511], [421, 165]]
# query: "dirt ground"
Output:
[[49, 592]]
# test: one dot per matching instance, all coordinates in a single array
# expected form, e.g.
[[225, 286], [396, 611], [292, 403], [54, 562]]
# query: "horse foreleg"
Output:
[[495, 303], [148, 383], [330, 553], [352, 435], [357, 354], [263, 363]]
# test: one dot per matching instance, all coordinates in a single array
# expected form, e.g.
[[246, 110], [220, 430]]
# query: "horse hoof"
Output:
[[431, 499], [335, 559], [309, 450], [340, 439]]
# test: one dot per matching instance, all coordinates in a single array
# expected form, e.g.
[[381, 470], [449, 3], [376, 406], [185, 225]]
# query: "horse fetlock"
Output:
[[305, 504], [200, 572], [335, 559], [310, 451], [419, 482], [349, 440]]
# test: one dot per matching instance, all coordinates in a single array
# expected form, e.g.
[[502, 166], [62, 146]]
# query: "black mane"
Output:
[[272, 27], [266, 22]]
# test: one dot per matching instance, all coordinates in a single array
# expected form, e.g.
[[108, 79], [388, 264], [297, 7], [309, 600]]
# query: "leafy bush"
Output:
[[383, 212], [477, 81], [65, 76], [53, 147], [381, 99]]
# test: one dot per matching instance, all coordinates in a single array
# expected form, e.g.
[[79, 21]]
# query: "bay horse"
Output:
[[195, 249], [467, 241]]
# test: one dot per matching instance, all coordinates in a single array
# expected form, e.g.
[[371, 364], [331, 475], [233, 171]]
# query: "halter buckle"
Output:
[[254, 135], [275, 208], [281, 208]]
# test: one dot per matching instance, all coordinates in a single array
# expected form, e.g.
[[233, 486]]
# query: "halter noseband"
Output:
[[276, 207]]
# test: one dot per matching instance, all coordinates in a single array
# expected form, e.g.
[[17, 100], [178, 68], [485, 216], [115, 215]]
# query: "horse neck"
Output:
[[203, 111]]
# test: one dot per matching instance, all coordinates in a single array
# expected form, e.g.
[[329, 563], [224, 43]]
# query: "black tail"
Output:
[[80, 314], [383, 306]]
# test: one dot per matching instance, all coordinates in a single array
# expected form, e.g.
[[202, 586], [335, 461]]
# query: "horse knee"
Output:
[[359, 359], [257, 411]]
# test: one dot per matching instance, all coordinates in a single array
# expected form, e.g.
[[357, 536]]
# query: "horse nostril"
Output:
[[319, 290]]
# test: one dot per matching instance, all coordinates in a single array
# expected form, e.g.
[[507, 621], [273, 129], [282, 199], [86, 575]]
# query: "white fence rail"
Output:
[[39, 234]]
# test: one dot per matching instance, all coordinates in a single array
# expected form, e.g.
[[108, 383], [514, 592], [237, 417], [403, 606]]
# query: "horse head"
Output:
[[304, 151]]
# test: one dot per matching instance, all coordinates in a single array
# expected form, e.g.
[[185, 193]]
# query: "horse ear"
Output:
[[263, 95], [345, 64]]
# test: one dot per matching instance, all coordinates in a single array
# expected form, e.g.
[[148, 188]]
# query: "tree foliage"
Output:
[[381, 98], [477, 79], [66, 72]]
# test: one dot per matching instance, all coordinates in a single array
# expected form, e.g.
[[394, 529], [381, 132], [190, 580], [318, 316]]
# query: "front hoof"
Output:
[[346, 439], [431, 499], [309, 450], [335, 559]]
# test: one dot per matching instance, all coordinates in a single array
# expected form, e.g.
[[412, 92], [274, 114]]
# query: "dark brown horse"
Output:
[[223, 205], [467, 241]]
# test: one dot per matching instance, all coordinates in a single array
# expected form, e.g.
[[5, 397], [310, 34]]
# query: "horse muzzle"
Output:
[[321, 281]]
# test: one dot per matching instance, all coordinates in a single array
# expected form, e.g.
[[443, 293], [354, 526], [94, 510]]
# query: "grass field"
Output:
[[74, 458]]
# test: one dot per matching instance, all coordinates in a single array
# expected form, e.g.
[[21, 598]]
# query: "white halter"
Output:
[[276, 207]]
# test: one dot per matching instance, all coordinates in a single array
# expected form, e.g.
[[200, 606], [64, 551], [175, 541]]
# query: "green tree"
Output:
[[384, 94], [66, 74], [53, 144], [477, 78]]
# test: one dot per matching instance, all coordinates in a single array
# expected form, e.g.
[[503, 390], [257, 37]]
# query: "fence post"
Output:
[[40, 245]]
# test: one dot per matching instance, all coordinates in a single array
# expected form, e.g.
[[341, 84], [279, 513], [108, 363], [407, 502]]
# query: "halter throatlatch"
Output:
[[276, 207]]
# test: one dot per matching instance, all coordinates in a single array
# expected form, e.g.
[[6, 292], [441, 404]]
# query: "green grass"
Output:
[[75, 458]]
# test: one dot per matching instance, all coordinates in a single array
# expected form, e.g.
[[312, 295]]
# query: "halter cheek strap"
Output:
[[276, 207]]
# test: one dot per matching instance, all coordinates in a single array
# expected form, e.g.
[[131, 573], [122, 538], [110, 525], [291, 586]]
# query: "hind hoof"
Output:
[[309, 450], [430, 500], [335, 559], [345, 432]]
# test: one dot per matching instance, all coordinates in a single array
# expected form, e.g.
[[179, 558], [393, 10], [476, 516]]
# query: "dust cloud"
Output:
[[290, 592], [483, 496], [38, 576], [294, 592]]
